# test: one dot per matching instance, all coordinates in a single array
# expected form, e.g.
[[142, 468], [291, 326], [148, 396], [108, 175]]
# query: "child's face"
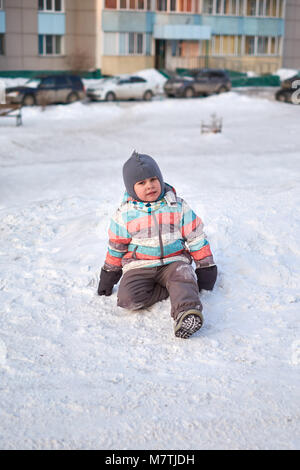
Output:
[[148, 190]]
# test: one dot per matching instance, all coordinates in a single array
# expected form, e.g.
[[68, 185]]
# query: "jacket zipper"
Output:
[[160, 240]]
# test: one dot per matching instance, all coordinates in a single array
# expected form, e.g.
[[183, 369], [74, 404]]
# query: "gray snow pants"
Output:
[[141, 287]]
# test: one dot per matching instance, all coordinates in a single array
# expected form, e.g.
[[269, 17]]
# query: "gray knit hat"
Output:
[[140, 167]]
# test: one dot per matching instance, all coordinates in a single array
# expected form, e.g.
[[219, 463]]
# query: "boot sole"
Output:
[[189, 324]]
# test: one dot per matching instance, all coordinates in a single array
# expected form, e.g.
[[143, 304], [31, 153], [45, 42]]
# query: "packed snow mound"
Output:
[[284, 74], [78, 372], [154, 77]]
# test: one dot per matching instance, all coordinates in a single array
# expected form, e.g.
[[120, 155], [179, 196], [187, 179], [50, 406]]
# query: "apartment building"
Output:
[[236, 34], [49, 35], [119, 36]]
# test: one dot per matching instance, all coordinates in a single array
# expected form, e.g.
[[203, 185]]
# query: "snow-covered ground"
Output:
[[76, 371]]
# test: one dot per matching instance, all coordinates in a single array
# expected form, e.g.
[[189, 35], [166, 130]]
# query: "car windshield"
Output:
[[33, 83]]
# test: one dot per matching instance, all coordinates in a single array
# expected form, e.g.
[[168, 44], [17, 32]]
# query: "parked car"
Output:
[[198, 82], [121, 88], [290, 90], [47, 90]]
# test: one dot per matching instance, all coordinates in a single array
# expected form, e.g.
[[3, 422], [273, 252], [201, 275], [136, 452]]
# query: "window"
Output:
[[62, 82], [135, 43], [50, 44], [217, 45], [129, 4], [185, 48], [172, 5], [238, 45], [128, 44], [275, 46], [131, 43], [236, 7], [139, 45], [281, 9], [176, 48], [137, 80], [274, 8], [49, 82], [112, 4], [185, 5], [208, 7], [268, 7], [250, 45], [261, 8], [227, 45], [51, 5], [219, 7], [124, 81], [161, 5], [2, 49], [251, 8], [262, 45]]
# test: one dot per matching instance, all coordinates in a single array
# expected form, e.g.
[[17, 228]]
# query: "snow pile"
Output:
[[284, 74], [76, 371], [154, 77], [10, 82]]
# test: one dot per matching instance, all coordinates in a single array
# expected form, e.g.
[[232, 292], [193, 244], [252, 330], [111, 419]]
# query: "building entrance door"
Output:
[[160, 54]]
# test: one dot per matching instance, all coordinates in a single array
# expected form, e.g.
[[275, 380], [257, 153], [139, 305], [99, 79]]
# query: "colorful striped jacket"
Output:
[[153, 234]]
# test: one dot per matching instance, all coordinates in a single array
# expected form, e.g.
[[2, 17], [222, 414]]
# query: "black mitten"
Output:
[[206, 277], [107, 281]]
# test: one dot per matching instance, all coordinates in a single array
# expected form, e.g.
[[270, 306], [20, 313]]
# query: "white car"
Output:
[[121, 88]]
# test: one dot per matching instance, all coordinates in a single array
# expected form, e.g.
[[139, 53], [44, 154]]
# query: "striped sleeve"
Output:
[[195, 238], [119, 239]]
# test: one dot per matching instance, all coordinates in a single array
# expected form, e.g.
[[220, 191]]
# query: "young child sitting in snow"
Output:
[[153, 239]]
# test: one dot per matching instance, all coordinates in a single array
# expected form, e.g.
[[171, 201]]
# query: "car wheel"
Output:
[[148, 95], [72, 97], [110, 96], [222, 89], [28, 100], [282, 97], [189, 93]]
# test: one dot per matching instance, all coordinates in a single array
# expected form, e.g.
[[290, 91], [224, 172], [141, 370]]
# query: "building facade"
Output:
[[122, 36], [49, 35], [291, 47]]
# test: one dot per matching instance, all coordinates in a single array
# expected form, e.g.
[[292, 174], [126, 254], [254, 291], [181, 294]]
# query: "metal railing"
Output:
[[257, 64]]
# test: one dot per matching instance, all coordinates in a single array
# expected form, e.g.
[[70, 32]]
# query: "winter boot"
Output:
[[188, 323]]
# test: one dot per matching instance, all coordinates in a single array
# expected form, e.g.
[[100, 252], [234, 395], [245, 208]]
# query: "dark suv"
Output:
[[198, 82], [290, 90], [47, 90]]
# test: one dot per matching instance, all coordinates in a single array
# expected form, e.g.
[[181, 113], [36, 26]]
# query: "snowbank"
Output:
[[286, 73], [155, 77]]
